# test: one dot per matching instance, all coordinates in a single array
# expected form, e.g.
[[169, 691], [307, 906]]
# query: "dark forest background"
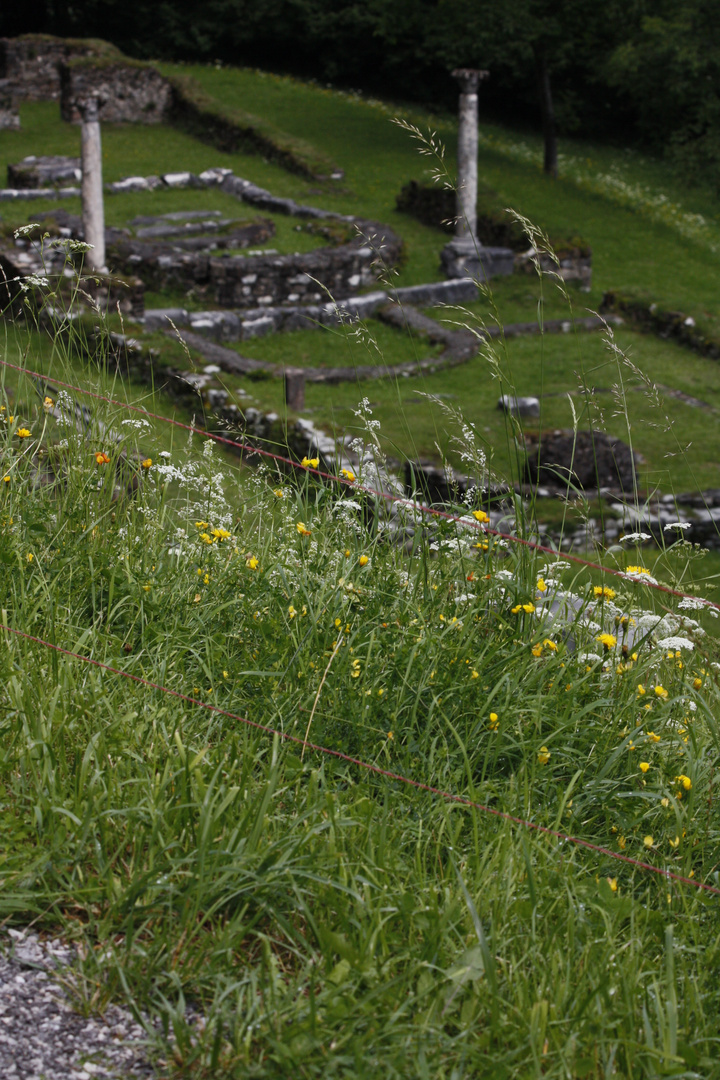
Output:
[[640, 72]]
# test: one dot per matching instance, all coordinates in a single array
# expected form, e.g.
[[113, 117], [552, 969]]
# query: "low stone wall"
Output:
[[32, 62], [127, 91], [39, 172]]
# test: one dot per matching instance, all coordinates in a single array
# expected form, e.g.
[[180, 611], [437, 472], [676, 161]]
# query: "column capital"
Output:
[[469, 79], [89, 109]]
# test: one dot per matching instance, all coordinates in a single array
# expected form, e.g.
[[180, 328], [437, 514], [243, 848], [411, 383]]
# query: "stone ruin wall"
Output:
[[126, 92], [31, 63]]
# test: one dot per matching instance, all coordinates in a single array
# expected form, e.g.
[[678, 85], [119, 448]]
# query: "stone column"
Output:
[[93, 209], [464, 256], [466, 195], [295, 389]]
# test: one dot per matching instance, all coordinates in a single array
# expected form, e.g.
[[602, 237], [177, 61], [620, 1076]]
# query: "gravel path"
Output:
[[42, 1038]]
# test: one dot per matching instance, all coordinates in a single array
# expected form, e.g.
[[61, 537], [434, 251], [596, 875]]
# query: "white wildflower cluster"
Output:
[[679, 526], [676, 643], [634, 538], [138, 424]]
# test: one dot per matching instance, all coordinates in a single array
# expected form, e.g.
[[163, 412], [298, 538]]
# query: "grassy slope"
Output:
[[325, 922]]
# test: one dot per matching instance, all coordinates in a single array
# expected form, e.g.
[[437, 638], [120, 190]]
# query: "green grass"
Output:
[[323, 920]]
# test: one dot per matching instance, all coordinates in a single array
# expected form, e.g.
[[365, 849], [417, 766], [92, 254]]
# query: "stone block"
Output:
[[9, 115], [463, 258], [126, 92], [45, 171], [520, 406]]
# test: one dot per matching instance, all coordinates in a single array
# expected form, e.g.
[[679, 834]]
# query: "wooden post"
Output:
[[93, 209]]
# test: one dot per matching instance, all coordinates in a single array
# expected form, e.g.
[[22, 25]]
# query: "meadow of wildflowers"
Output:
[[276, 910]]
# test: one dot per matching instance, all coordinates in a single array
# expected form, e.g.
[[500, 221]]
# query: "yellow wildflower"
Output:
[[537, 650], [363, 560], [279, 493], [480, 516], [6, 479], [292, 612], [660, 691], [390, 735], [202, 525], [644, 766], [543, 755], [541, 586], [48, 404], [621, 842], [29, 556], [548, 644], [251, 563], [612, 882], [147, 463], [648, 841], [348, 474], [23, 433], [311, 463], [653, 737], [636, 570], [697, 683], [220, 534], [101, 457], [300, 526], [474, 674], [528, 608], [641, 689], [355, 673], [685, 781], [514, 611], [605, 592], [206, 538], [608, 640]]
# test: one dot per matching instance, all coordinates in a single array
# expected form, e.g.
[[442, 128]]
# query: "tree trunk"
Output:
[[550, 162]]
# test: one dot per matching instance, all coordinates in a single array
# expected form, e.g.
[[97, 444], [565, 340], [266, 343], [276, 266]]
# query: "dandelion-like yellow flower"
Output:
[[390, 735], [310, 462], [685, 781], [23, 433], [202, 525], [480, 516], [6, 479], [147, 463], [363, 560], [608, 640], [541, 586], [605, 592], [220, 534], [348, 474], [528, 608], [301, 528], [660, 691], [636, 570], [644, 766], [252, 563], [648, 841], [48, 404], [101, 457], [543, 755], [697, 683]]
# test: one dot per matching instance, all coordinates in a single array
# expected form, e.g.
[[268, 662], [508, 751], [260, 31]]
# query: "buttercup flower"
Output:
[[23, 433], [608, 640], [644, 766], [147, 463], [363, 560]]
